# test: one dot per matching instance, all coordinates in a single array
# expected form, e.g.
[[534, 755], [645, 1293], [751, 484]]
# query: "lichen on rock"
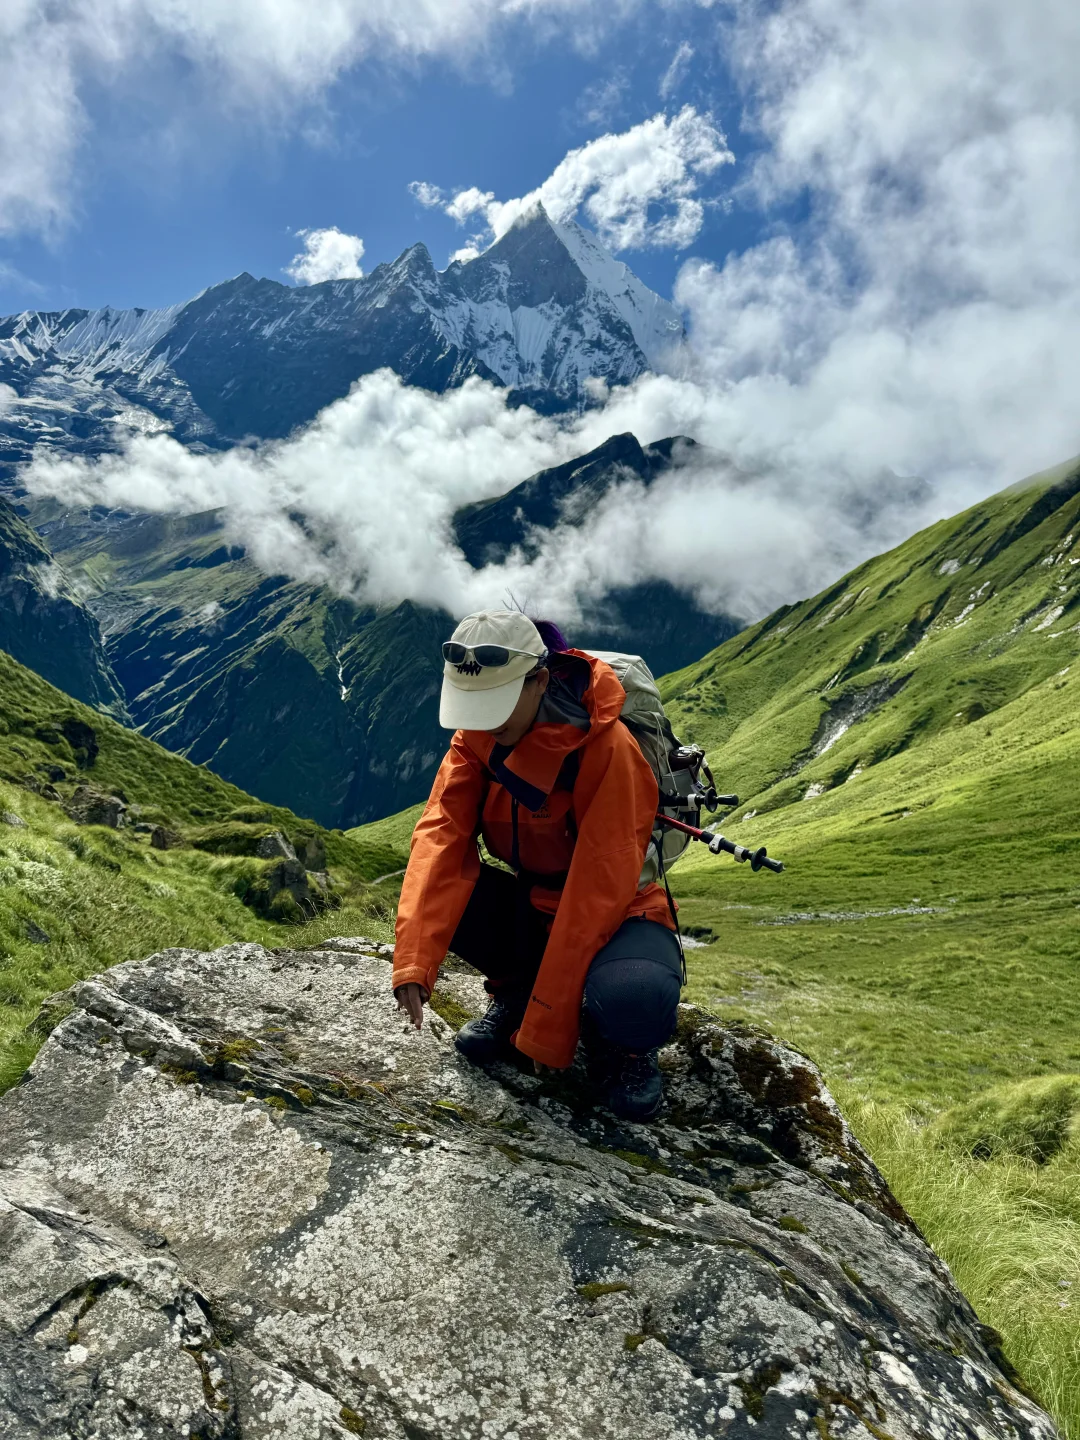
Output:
[[240, 1198]]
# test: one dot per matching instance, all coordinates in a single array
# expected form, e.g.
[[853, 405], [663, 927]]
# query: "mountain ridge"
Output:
[[545, 313]]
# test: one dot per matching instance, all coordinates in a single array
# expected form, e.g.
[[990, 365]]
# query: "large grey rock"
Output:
[[88, 806], [240, 1199]]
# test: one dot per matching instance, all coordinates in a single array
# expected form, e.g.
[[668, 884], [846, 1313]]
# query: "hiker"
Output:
[[542, 769]]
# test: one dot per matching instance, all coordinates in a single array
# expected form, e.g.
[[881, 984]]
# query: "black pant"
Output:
[[632, 988]]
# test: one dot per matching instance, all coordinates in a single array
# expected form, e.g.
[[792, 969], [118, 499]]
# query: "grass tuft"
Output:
[[1009, 1229]]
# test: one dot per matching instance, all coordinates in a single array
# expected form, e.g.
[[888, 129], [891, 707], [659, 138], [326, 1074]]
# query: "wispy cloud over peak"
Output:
[[640, 189]]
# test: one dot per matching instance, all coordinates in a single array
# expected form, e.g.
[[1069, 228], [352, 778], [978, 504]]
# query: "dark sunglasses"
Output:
[[490, 657]]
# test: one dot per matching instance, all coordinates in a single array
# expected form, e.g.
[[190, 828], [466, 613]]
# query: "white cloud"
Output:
[[327, 255], [924, 316], [638, 189], [675, 73], [468, 252], [8, 397], [363, 501], [467, 203], [602, 102], [263, 57], [377, 477], [429, 195]]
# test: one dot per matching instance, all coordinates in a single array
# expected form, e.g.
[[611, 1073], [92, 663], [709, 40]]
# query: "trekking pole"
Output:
[[759, 859]]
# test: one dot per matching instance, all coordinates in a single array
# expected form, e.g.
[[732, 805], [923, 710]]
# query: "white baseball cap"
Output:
[[477, 696]]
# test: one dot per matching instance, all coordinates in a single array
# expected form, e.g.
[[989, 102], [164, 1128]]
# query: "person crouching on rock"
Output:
[[542, 770]]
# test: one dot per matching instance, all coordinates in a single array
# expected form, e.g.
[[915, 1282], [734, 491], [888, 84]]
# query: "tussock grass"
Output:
[[1031, 1120], [1009, 1230], [76, 899]]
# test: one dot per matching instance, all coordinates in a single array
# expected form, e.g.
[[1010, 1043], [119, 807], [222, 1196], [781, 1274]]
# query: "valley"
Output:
[[206, 648]]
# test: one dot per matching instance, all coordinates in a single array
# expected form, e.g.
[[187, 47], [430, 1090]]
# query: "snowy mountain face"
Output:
[[541, 312]]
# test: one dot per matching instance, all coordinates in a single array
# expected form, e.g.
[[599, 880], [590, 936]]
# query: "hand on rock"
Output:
[[412, 999]]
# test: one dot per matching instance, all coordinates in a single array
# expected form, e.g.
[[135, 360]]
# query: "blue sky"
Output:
[[167, 194]]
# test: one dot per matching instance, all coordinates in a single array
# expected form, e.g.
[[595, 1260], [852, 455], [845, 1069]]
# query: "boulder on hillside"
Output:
[[92, 807], [288, 892], [162, 838], [311, 850], [82, 739], [275, 847], [39, 787], [239, 1198], [8, 817]]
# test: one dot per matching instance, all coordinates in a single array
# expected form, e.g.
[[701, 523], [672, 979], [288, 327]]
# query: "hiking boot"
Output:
[[487, 1039], [630, 1085]]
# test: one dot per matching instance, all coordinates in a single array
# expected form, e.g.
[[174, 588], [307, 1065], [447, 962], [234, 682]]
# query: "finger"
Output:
[[416, 1009]]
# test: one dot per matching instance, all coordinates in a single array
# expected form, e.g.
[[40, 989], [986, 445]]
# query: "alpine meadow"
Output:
[[539, 720]]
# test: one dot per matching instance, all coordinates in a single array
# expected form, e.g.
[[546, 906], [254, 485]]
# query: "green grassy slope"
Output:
[[956, 797], [75, 899], [395, 831], [924, 942]]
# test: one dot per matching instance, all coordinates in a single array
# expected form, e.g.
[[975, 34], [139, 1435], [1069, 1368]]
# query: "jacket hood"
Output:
[[583, 699]]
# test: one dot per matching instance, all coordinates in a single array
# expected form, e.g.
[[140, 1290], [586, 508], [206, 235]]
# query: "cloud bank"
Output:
[[327, 255], [919, 320], [636, 190]]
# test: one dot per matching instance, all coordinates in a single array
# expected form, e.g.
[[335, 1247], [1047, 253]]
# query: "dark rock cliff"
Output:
[[45, 625]]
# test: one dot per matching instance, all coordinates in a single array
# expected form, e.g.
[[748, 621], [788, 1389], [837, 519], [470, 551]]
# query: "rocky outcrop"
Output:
[[275, 847], [241, 1199], [285, 891], [88, 806]]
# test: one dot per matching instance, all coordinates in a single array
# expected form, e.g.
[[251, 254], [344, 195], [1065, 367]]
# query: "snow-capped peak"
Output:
[[546, 312], [654, 322], [548, 308]]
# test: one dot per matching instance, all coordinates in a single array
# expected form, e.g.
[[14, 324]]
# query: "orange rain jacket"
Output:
[[582, 835]]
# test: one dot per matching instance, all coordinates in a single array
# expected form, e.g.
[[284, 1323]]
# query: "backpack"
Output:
[[643, 715]]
